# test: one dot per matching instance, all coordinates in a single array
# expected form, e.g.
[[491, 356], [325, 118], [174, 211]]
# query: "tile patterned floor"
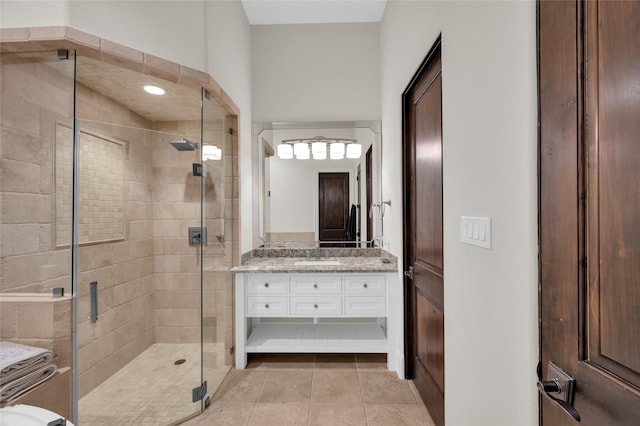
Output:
[[315, 390], [151, 389]]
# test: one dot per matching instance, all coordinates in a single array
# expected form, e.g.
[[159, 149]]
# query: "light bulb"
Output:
[[285, 151], [354, 150], [319, 147], [302, 151], [336, 151]]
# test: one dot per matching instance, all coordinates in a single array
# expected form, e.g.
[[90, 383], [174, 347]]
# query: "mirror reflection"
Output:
[[318, 182]]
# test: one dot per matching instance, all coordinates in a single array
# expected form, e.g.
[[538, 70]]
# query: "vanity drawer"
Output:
[[267, 284], [316, 305], [267, 306], [316, 284], [364, 284], [365, 306]]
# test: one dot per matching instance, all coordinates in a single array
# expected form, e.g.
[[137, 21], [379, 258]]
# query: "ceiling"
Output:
[[183, 103], [269, 12], [179, 103]]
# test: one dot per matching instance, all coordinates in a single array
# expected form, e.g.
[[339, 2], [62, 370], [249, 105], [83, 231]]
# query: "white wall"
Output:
[[211, 36], [316, 72], [489, 154], [170, 29], [228, 52], [24, 13]]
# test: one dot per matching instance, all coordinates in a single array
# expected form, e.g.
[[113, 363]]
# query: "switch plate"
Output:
[[476, 231]]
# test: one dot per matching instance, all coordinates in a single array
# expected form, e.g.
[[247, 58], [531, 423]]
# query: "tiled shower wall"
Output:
[[149, 281], [123, 268], [34, 98]]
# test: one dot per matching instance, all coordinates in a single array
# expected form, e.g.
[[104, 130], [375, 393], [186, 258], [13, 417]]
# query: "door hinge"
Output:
[[199, 392], [230, 131], [232, 350]]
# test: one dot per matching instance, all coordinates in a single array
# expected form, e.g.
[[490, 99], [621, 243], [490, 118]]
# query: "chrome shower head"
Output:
[[184, 145]]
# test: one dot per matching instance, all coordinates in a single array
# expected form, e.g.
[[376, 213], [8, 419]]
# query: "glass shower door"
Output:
[[36, 94], [139, 273], [220, 204]]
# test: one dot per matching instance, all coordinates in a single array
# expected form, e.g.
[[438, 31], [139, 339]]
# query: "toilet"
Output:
[[29, 415]]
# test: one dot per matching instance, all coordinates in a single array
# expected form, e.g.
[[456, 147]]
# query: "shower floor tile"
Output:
[[151, 389]]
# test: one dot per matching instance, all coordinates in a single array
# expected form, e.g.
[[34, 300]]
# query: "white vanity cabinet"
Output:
[[313, 313]]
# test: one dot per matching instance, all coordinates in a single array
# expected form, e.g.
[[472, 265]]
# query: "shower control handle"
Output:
[[315, 286], [315, 306], [364, 285], [266, 305], [266, 285]]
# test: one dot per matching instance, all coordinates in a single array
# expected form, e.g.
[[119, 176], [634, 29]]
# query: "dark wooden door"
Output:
[[333, 202], [589, 83], [423, 251]]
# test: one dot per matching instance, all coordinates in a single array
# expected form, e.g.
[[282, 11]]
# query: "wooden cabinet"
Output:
[[311, 313]]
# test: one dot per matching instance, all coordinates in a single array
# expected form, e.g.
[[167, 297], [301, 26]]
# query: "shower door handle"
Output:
[[93, 291]]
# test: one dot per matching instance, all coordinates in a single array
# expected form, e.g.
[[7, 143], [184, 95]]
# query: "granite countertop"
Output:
[[306, 260]]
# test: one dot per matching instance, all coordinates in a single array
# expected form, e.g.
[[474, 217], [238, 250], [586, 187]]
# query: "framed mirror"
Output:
[[329, 193]]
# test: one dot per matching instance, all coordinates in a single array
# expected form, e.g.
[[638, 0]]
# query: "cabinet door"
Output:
[[266, 306], [267, 284], [315, 306], [365, 306], [316, 284], [365, 285]]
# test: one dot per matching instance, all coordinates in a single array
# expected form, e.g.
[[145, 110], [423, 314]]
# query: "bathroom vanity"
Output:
[[326, 301]]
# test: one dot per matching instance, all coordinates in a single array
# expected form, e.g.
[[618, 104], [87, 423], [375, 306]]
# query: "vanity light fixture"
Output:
[[154, 90], [317, 146]]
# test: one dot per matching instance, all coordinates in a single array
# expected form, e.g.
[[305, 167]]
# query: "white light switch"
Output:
[[476, 231]]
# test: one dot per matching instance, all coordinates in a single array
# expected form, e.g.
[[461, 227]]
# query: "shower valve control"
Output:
[[197, 236]]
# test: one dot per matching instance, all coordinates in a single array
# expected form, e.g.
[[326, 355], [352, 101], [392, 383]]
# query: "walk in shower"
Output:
[[116, 244]]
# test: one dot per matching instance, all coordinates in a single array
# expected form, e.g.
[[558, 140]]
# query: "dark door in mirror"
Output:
[[333, 203]]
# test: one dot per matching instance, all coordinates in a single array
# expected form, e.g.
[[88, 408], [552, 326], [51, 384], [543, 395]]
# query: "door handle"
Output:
[[409, 273], [559, 388], [93, 301]]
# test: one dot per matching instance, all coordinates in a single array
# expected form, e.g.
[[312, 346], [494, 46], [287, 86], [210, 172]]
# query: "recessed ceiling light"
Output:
[[154, 90]]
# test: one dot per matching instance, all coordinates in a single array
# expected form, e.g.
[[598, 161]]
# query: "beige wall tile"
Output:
[[8, 320], [19, 239], [35, 320], [26, 208], [86, 382], [18, 176], [94, 352]]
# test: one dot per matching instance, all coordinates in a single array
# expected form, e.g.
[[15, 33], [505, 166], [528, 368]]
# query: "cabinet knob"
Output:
[[315, 286], [315, 306], [365, 285], [266, 284], [266, 305]]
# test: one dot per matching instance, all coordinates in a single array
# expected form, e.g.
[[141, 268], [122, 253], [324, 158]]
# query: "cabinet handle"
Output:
[[266, 306], [266, 284], [315, 306], [365, 285], [315, 286]]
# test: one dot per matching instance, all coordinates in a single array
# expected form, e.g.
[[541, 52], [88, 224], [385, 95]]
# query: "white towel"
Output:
[[19, 386], [18, 360]]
